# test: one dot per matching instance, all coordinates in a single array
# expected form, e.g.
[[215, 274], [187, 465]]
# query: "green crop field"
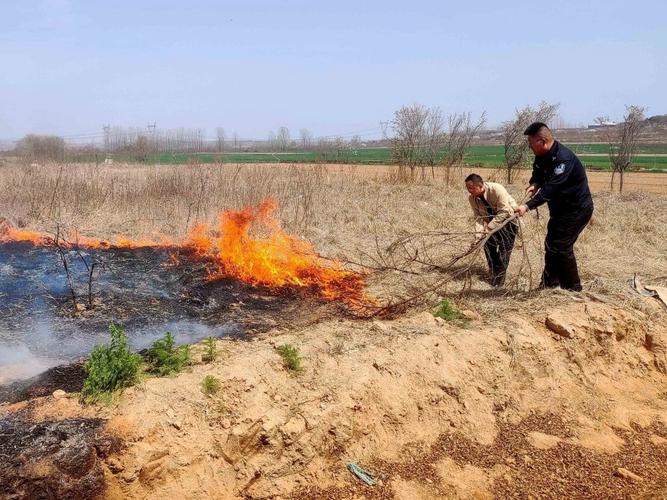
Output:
[[594, 156]]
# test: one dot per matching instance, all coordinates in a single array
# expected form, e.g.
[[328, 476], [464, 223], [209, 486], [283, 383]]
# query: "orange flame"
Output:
[[278, 260]]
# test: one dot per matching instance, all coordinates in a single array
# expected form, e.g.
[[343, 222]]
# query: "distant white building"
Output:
[[603, 124]]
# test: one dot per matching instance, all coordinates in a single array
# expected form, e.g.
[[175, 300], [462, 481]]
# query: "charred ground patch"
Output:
[[53, 459], [43, 329]]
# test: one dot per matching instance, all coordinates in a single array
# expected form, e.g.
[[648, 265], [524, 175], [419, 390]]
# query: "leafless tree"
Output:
[[417, 133], [338, 145], [41, 147], [408, 125], [515, 145], [283, 139], [306, 138], [141, 148], [65, 248], [623, 142], [458, 139], [220, 139], [236, 141], [433, 137]]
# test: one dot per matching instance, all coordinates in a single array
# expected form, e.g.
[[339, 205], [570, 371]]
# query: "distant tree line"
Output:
[[423, 140], [34, 147]]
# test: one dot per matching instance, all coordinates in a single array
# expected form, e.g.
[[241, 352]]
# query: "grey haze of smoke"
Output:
[[42, 349]]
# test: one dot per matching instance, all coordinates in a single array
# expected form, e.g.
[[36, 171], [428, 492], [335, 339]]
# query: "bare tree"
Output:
[[417, 133], [220, 139], [623, 142], [283, 139], [515, 145], [141, 148], [306, 138], [433, 136], [41, 147], [458, 139]]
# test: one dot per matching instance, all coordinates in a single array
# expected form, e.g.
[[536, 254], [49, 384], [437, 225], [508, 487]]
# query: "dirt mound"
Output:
[[431, 409]]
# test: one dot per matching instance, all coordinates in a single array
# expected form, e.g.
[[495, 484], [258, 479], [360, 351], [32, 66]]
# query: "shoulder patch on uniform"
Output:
[[559, 169]]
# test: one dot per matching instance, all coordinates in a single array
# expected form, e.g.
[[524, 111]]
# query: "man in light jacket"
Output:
[[492, 205]]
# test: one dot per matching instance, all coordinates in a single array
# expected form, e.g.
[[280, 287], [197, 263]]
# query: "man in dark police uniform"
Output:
[[559, 179]]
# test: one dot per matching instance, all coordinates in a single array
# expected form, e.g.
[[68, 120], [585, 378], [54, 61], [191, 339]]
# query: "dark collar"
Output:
[[553, 151]]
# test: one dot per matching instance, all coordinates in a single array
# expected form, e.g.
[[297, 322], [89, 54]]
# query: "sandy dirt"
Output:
[[431, 409]]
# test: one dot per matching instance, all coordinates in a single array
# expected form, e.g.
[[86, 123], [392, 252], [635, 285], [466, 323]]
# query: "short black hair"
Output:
[[475, 179], [534, 128]]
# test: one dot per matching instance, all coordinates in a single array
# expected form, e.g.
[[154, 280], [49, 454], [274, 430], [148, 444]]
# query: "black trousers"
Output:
[[560, 265], [498, 250]]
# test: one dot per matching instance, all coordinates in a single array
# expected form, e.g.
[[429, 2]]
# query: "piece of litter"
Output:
[[365, 476], [660, 292]]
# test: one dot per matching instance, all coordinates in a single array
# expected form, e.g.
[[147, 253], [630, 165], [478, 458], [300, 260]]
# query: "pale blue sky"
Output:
[[70, 66]]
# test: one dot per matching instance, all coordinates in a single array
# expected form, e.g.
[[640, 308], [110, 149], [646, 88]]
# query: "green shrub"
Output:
[[110, 367], [211, 353], [165, 358], [291, 357], [210, 385], [449, 313]]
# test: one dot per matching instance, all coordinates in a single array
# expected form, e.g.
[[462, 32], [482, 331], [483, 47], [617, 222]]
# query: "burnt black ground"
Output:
[[69, 378], [139, 289], [53, 459]]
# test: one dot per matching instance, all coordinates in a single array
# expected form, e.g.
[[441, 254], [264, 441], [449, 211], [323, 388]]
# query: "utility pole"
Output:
[[152, 140], [107, 137]]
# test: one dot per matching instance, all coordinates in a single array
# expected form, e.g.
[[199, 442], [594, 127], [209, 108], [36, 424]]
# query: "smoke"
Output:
[[44, 348], [37, 332], [18, 362]]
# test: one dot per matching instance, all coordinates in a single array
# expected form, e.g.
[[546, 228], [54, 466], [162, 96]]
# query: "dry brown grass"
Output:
[[345, 211]]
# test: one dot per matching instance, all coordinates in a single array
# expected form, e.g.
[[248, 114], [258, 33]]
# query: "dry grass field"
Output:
[[497, 405], [351, 213]]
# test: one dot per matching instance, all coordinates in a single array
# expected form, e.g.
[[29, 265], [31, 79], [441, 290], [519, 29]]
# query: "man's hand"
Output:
[[530, 190], [521, 210]]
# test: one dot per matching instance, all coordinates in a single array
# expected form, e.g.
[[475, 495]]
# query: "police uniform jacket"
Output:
[[562, 181]]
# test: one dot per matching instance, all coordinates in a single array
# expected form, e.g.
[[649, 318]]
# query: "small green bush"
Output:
[[111, 367], [210, 385], [291, 357], [165, 358], [449, 313], [211, 353]]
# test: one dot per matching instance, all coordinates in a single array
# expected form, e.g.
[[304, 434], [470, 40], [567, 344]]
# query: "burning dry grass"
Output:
[[343, 213]]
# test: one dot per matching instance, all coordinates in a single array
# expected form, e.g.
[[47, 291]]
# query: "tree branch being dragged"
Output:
[[459, 265]]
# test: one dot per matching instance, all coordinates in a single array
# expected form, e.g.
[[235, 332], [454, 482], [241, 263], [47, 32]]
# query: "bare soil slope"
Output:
[[431, 409]]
